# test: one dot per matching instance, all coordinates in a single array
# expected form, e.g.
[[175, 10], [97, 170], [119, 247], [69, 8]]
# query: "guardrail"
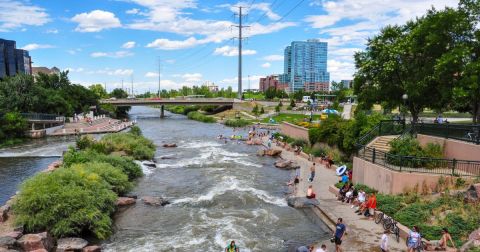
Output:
[[438, 166], [467, 133], [385, 127]]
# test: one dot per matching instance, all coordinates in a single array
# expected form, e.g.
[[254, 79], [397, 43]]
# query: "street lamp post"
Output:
[[404, 98]]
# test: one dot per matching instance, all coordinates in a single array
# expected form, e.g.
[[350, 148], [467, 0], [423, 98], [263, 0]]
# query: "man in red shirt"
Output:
[[371, 205]]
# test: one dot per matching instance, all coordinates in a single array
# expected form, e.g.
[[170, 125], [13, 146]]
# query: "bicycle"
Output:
[[388, 223], [392, 226]]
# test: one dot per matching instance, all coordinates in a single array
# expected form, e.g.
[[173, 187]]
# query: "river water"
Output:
[[219, 192]]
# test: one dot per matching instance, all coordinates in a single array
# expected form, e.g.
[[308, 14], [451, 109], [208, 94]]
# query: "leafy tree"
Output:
[[270, 93], [403, 59], [13, 125], [119, 93], [277, 108], [255, 110], [262, 111], [99, 90]]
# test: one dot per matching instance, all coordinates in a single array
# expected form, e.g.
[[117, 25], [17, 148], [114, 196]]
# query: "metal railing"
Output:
[[42, 117], [467, 133], [464, 168], [383, 128]]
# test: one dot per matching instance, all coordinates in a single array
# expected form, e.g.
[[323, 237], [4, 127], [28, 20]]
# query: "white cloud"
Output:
[[133, 11], [31, 47], [166, 44], [52, 31], [117, 54], [15, 14], [266, 65], [74, 51], [129, 45], [273, 57], [151, 75], [170, 16], [193, 77], [95, 21], [232, 51], [363, 19]]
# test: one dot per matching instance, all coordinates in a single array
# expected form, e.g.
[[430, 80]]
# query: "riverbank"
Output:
[[363, 235]]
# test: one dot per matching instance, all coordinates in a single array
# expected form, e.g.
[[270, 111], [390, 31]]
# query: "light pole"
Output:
[[404, 98]]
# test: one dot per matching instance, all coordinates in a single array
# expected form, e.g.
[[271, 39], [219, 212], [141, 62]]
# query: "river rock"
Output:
[[149, 164], [472, 194], [475, 237], [7, 242], [285, 164], [15, 234], [170, 145], [55, 165], [4, 213], [301, 202], [8, 250], [33, 242], [71, 244], [125, 201], [93, 248], [155, 201]]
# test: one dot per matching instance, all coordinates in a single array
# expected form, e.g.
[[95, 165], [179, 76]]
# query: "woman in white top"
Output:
[[414, 239]]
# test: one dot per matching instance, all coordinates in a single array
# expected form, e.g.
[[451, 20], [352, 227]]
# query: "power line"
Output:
[[290, 11]]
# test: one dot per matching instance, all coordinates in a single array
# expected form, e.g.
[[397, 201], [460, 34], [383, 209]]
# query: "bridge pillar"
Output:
[[162, 111], [33, 126]]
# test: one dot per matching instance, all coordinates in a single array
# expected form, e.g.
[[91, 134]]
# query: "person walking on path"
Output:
[[312, 173], [340, 230], [384, 241]]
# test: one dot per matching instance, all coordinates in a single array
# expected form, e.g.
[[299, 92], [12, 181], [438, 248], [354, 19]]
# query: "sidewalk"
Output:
[[362, 234]]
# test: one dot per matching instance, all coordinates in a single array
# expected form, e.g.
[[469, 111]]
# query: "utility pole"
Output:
[[159, 78], [131, 90], [249, 82], [240, 40]]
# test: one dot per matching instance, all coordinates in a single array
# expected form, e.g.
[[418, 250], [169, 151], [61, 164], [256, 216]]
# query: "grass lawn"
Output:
[[257, 96], [291, 118]]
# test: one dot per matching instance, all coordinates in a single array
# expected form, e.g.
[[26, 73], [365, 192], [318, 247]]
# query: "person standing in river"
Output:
[[312, 173], [232, 247]]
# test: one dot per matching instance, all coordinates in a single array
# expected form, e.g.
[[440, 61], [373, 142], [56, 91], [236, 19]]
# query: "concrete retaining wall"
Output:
[[388, 181], [453, 149], [294, 131]]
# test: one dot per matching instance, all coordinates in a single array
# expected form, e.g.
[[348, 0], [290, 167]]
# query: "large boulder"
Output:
[[4, 213], [14, 234], [286, 165], [124, 201], [55, 165], [269, 152], [472, 195], [301, 202], [71, 244], [33, 242], [170, 145], [93, 248], [7, 242], [155, 201]]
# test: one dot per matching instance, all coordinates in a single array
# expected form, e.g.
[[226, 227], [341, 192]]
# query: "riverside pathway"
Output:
[[363, 235]]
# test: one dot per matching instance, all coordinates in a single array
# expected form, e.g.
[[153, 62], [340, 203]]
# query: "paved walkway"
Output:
[[362, 234]]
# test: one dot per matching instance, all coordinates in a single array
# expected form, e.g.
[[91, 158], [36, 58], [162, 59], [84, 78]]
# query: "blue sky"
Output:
[[105, 41]]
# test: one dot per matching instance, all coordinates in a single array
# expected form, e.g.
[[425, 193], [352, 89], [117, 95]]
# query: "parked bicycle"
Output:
[[388, 223]]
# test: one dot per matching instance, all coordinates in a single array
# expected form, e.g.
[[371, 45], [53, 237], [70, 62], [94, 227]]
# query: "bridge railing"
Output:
[[42, 117]]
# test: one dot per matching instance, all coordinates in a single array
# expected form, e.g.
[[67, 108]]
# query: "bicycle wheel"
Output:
[[378, 218], [387, 224], [397, 233]]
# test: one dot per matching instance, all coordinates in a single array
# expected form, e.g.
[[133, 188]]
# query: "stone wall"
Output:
[[294, 131], [453, 149], [388, 181]]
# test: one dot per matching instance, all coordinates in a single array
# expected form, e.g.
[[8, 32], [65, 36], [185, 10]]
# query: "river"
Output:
[[219, 192]]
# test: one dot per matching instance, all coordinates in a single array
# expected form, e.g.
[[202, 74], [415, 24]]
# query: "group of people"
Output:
[[364, 204]]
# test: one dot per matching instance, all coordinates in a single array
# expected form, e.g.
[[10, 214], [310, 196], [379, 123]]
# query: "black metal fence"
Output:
[[385, 127], [42, 117], [467, 133], [452, 167]]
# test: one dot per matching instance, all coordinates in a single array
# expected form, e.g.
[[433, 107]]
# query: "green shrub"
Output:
[[300, 142], [188, 109], [138, 147], [12, 125], [318, 152], [408, 152], [135, 130], [84, 142], [389, 204], [125, 164], [66, 202], [236, 123], [197, 116], [114, 177]]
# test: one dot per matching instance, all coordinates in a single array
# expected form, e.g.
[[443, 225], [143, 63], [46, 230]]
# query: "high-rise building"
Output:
[[305, 66], [13, 60]]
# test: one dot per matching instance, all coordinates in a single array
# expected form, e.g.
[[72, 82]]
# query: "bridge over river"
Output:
[[169, 101]]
